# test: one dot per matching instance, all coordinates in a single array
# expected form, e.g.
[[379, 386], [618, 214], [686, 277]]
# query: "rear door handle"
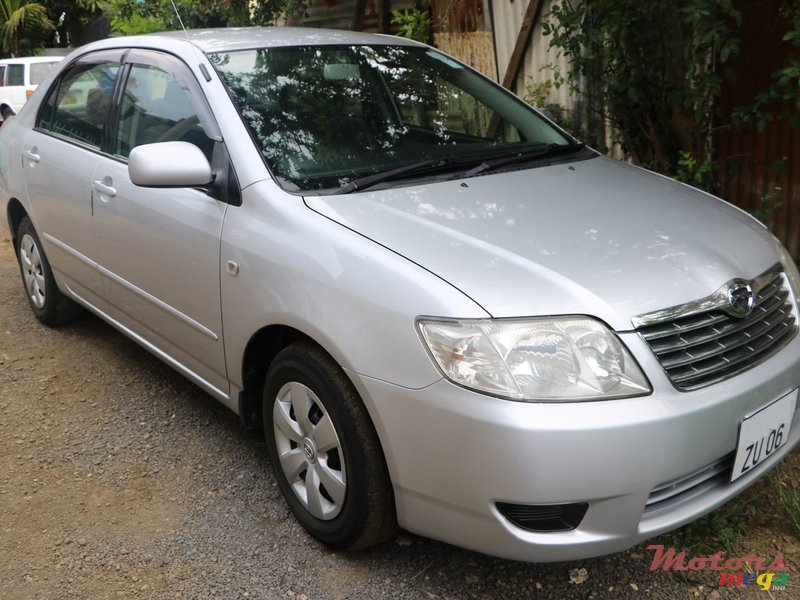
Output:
[[103, 188], [31, 156]]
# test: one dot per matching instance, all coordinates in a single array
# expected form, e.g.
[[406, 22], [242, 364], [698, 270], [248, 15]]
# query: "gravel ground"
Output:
[[120, 479]]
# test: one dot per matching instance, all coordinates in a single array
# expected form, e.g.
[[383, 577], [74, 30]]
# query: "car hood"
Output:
[[596, 237]]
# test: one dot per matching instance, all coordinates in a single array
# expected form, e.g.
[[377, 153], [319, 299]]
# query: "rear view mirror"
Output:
[[339, 71], [169, 164]]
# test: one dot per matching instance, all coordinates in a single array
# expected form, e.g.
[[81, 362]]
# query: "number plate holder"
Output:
[[762, 433]]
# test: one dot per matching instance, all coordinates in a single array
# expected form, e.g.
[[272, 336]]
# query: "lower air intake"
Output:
[[544, 517]]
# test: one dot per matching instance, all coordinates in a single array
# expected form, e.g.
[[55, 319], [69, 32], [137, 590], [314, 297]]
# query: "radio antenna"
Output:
[[175, 8]]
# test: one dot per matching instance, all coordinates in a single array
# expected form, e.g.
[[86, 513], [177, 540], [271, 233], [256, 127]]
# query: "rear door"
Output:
[[60, 156]]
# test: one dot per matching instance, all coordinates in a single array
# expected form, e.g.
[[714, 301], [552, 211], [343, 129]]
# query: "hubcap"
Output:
[[32, 271], [309, 450]]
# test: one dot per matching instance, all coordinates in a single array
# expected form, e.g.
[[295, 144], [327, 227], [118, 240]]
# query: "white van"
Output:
[[19, 77]]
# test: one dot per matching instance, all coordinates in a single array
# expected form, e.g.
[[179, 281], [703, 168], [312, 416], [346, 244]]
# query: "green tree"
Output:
[[70, 17], [129, 17], [23, 25], [653, 70], [266, 11]]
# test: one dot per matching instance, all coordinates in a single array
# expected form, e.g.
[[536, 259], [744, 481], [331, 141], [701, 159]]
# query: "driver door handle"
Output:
[[31, 156]]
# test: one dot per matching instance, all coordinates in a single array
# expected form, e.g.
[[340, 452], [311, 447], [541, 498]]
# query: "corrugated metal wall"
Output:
[[539, 63], [508, 16], [745, 157]]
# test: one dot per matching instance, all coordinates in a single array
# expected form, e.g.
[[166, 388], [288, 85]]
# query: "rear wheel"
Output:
[[47, 302], [325, 452]]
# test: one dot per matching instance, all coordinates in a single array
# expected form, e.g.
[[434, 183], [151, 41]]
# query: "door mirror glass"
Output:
[[169, 164]]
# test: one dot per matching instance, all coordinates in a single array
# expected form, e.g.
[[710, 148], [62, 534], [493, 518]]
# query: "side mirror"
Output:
[[6, 112], [169, 164]]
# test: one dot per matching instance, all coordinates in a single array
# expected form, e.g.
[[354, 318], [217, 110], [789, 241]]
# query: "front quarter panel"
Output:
[[355, 298]]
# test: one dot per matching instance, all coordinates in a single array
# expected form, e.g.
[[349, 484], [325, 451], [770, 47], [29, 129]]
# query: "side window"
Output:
[[156, 108], [2, 75], [16, 75], [78, 105]]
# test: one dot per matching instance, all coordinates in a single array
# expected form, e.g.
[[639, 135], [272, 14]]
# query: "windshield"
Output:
[[323, 116]]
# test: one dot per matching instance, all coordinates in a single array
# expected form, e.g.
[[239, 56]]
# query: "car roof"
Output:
[[241, 38]]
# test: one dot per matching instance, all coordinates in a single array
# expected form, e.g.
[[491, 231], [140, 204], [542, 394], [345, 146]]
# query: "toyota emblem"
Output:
[[741, 299]]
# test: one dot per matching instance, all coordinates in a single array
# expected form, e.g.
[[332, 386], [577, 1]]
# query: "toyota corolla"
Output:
[[445, 313]]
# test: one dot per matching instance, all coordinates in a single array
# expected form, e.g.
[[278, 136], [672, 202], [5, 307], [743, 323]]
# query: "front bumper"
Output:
[[453, 454]]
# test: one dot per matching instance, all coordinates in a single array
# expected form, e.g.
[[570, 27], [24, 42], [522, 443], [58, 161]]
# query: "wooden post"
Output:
[[523, 40], [384, 15], [358, 17]]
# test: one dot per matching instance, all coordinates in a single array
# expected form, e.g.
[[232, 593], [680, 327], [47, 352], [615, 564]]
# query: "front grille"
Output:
[[702, 348]]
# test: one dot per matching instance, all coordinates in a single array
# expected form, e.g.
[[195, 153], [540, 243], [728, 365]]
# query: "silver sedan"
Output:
[[445, 313]]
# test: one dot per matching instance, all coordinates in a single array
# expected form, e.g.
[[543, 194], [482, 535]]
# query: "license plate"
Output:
[[762, 433]]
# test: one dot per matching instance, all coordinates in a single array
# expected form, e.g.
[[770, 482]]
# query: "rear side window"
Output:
[[78, 105], [2, 75], [39, 71], [16, 75]]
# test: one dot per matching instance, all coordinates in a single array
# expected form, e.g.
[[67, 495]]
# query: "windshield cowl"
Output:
[[448, 170]]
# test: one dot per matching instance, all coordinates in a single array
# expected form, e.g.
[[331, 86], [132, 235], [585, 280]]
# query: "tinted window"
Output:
[[156, 108], [16, 75], [2, 75], [39, 71], [77, 107]]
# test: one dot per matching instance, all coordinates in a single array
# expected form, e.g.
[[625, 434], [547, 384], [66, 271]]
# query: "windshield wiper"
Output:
[[361, 183], [545, 150]]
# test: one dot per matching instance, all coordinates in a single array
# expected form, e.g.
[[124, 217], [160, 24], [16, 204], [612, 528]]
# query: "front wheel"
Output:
[[325, 452]]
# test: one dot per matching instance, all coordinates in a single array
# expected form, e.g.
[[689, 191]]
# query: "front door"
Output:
[[160, 248]]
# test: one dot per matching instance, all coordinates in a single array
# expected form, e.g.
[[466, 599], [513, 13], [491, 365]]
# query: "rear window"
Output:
[[40, 70]]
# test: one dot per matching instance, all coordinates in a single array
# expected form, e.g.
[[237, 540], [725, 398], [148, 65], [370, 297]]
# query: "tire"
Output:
[[325, 452], [47, 302]]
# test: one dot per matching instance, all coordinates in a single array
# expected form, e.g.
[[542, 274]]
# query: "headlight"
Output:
[[789, 267], [547, 359]]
